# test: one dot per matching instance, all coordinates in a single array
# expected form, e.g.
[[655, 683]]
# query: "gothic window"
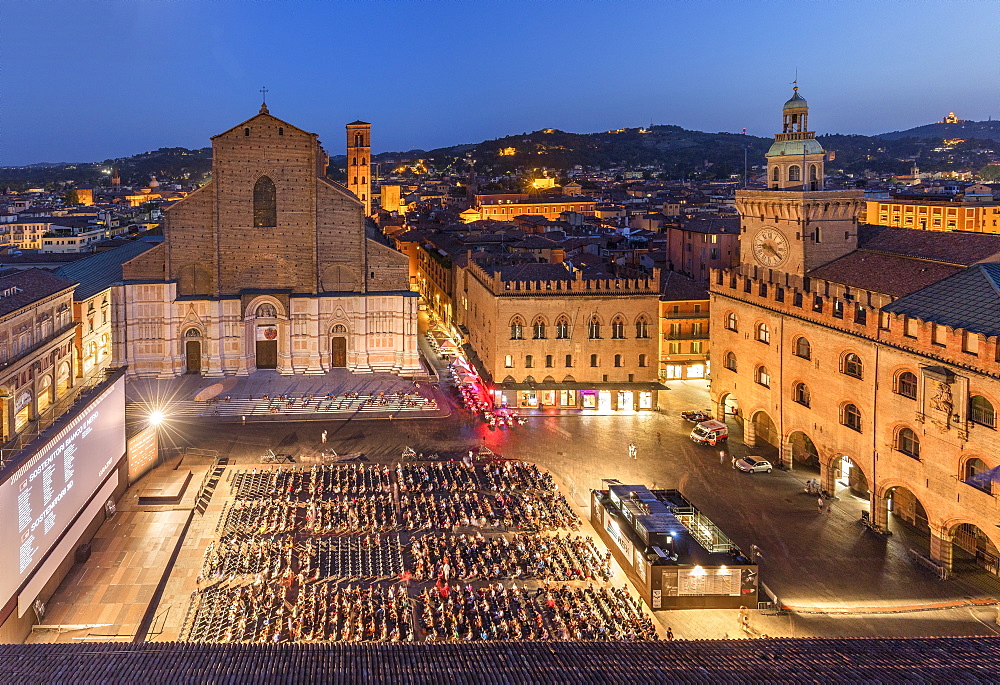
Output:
[[732, 322], [908, 443], [981, 411], [852, 365], [265, 208], [641, 327], [266, 311], [562, 328], [618, 328], [538, 332], [800, 393], [359, 140], [794, 173], [851, 417], [906, 384], [517, 329], [595, 328]]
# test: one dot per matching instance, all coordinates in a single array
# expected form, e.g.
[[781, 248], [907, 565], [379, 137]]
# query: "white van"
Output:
[[710, 432]]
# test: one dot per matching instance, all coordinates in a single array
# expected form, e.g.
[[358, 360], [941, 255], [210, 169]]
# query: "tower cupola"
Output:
[[795, 160]]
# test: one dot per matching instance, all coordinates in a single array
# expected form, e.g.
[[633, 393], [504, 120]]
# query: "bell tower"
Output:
[[796, 225], [359, 149]]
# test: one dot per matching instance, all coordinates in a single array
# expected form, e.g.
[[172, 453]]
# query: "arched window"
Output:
[[192, 333], [594, 329], [972, 474], [803, 348], [517, 329], [538, 329], [266, 311], [359, 140], [800, 393], [641, 327], [762, 376], [618, 328], [776, 174], [852, 365], [364, 162], [763, 334], [906, 384], [562, 328], [794, 173], [813, 172], [732, 322], [851, 417], [908, 443], [265, 207], [730, 361], [981, 411]]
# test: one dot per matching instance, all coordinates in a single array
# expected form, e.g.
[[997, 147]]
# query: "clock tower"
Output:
[[796, 225]]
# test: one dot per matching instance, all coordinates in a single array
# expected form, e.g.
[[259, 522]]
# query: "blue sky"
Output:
[[85, 81]]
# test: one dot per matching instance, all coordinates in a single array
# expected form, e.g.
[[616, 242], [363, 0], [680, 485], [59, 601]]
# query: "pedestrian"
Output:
[[322, 436], [819, 505], [670, 634], [722, 456], [734, 463], [829, 507], [244, 420], [632, 450]]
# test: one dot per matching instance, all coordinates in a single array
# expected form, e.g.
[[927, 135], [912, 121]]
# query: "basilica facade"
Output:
[[268, 266]]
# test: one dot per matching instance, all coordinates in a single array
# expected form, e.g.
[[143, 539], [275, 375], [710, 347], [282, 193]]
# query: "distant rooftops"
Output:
[[21, 288]]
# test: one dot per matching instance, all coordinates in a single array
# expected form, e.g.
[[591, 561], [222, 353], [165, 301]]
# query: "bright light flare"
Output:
[[156, 417]]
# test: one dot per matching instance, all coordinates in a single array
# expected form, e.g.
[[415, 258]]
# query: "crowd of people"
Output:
[[521, 556], [328, 553], [497, 612], [311, 483], [442, 511], [291, 610]]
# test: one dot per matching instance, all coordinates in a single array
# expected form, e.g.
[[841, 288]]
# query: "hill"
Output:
[[981, 130]]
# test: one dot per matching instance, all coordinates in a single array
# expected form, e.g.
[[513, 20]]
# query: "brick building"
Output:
[[268, 266], [870, 354]]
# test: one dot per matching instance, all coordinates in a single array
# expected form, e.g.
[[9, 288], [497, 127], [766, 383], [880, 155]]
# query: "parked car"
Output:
[[696, 415], [753, 465], [710, 432]]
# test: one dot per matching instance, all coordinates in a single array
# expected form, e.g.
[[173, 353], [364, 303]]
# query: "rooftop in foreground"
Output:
[[769, 660]]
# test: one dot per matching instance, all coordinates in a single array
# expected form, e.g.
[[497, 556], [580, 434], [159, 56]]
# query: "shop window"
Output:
[[981, 411], [906, 384], [908, 443]]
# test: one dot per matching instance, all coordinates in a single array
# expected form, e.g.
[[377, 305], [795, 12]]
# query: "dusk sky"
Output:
[[86, 81]]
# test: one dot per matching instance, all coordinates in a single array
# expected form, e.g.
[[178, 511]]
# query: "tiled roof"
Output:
[[883, 273], [32, 285], [102, 269], [537, 271], [676, 286], [952, 247], [949, 659], [969, 300]]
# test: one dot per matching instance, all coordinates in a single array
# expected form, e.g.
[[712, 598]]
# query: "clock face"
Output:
[[770, 247]]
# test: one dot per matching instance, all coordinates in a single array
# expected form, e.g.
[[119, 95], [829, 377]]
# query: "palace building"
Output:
[[868, 353], [269, 266]]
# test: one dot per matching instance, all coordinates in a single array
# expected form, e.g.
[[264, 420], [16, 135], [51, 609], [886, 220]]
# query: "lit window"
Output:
[[981, 411]]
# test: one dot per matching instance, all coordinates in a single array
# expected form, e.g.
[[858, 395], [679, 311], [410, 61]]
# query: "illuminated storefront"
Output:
[[595, 397]]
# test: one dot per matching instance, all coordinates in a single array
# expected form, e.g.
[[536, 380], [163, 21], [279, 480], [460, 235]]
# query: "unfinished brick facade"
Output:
[[267, 266]]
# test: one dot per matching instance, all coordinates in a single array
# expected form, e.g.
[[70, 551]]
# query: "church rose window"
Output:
[[265, 208]]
